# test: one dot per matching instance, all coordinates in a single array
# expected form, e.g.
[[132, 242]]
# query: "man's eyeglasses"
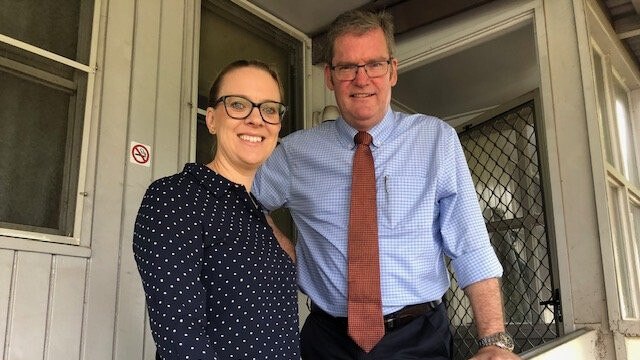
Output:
[[239, 107], [349, 71]]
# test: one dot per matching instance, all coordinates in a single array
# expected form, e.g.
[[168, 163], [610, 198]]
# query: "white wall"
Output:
[[86, 302], [43, 294], [146, 84]]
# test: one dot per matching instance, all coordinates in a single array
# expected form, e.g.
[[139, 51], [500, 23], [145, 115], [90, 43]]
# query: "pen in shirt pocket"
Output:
[[386, 189]]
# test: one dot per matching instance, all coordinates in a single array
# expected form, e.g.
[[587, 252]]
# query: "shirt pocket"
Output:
[[406, 201]]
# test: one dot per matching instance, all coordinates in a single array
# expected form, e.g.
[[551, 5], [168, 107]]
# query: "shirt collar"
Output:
[[215, 183], [380, 132]]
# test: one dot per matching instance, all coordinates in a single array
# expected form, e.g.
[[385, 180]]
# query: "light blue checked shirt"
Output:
[[427, 208]]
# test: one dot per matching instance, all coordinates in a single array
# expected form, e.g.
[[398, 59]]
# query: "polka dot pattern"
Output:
[[217, 283]]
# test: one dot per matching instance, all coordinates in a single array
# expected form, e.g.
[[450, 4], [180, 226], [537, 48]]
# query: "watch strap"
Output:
[[500, 339]]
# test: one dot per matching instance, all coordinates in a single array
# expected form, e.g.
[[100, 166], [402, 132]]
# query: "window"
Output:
[[44, 77], [619, 135]]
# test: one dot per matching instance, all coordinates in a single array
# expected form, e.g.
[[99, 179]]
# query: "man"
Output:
[[424, 207]]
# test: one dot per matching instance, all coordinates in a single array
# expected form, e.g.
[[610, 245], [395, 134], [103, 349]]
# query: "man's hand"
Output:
[[494, 353]]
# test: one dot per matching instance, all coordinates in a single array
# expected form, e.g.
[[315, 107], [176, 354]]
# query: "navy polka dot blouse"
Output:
[[217, 283]]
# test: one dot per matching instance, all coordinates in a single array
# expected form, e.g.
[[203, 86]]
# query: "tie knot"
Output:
[[363, 137]]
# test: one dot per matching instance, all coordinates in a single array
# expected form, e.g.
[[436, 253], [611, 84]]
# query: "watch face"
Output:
[[507, 341]]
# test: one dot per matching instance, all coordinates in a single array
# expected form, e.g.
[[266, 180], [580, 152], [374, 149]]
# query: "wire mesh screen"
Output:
[[503, 158]]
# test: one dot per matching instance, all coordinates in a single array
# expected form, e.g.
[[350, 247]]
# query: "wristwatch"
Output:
[[501, 339]]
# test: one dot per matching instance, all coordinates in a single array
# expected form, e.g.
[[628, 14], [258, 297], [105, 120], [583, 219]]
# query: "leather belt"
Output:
[[395, 320], [402, 317]]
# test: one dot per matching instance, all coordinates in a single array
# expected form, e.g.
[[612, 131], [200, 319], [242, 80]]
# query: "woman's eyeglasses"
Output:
[[239, 107]]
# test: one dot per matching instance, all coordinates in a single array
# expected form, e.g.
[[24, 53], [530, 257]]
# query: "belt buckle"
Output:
[[390, 324], [397, 322]]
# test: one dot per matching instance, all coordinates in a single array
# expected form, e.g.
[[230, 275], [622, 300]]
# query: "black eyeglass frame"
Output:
[[222, 99], [364, 66]]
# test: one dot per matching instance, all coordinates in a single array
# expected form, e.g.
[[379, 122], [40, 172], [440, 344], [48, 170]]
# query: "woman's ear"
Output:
[[210, 120]]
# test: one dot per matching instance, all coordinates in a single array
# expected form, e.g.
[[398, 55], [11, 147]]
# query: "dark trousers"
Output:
[[427, 337]]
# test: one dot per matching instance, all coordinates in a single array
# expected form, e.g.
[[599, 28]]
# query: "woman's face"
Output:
[[244, 144]]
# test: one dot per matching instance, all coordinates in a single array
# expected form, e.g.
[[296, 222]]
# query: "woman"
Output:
[[217, 283]]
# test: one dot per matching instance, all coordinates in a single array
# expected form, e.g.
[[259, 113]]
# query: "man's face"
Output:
[[363, 101]]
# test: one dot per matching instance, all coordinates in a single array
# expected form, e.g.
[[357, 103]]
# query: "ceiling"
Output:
[[472, 80], [624, 16], [316, 15], [481, 77]]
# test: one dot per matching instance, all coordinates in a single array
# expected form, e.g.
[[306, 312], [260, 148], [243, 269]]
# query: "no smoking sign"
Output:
[[140, 154]]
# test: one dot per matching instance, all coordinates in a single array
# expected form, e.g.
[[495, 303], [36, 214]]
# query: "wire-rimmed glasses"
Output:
[[374, 69]]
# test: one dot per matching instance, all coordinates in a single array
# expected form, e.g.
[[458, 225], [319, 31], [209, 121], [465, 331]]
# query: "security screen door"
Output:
[[505, 165]]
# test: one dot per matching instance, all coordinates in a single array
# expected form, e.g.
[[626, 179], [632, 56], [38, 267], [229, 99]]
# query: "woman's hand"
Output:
[[285, 243]]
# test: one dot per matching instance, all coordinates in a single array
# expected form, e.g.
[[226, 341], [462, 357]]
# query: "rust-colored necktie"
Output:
[[366, 324]]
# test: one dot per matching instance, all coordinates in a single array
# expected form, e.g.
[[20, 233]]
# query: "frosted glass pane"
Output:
[[602, 107], [626, 135], [625, 289]]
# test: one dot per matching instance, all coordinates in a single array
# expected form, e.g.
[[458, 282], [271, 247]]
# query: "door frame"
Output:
[[458, 33]]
